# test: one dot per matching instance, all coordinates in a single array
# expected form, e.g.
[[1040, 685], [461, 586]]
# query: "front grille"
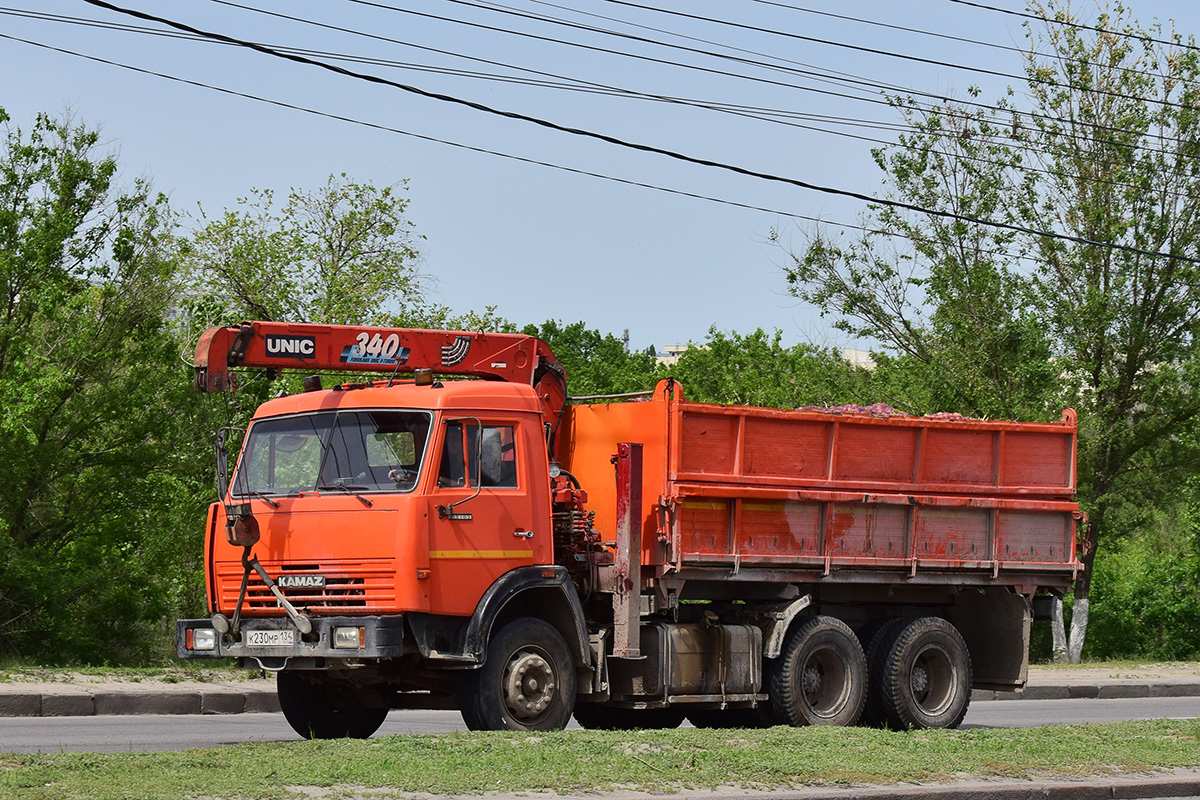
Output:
[[339, 592], [349, 588]]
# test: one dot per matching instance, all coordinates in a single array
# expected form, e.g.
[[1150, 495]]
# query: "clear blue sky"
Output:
[[533, 241]]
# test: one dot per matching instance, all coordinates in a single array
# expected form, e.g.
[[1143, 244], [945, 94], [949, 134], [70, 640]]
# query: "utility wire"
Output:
[[880, 52], [712, 105], [943, 36], [951, 113], [836, 77], [639, 146], [509, 156], [712, 71], [1079, 25], [850, 78], [422, 137], [774, 116]]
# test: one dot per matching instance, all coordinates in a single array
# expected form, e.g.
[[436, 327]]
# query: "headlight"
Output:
[[349, 638], [201, 639]]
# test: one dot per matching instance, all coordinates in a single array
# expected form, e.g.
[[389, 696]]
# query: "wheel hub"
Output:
[[920, 681], [811, 682], [529, 686]]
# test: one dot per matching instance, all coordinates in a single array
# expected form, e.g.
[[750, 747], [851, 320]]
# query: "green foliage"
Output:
[[756, 369], [1147, 591], [342, 254], [94, 407]]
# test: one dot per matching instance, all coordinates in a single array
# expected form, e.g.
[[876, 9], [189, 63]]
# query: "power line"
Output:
[[823, 74], [500, 154], [635, 145], [487, 4], [711, 105], [709, 70], [509, 156], [943, 36], [1072, 24], [775, 116], [422, 137], [879, 52]]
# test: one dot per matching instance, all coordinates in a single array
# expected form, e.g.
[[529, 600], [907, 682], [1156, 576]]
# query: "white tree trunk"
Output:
[[1058, 632], [1079, 622]]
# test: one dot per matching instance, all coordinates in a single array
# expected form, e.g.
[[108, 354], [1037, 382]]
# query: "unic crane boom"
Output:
[[511, 357]]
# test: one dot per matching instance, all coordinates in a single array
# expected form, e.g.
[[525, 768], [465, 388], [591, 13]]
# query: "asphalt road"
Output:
[[114, 734]]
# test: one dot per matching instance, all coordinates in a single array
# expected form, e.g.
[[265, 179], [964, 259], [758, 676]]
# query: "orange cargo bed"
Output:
[[826, 491]]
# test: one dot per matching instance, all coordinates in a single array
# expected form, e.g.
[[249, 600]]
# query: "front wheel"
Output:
[[527, 682], [925, 680], [821, 676], [318, 708]]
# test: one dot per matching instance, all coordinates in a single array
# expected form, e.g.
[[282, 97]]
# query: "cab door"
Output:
[[484, 517]]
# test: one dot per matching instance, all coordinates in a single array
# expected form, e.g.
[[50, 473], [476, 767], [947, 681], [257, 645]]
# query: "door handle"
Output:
[[523, 534]]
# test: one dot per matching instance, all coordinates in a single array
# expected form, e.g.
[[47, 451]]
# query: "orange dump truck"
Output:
[[487, 545]]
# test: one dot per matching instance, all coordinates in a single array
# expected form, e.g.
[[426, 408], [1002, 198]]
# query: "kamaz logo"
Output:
[[301, 582], [279, 346]]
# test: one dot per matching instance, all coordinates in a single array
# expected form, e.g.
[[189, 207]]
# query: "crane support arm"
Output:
[[281, 345]]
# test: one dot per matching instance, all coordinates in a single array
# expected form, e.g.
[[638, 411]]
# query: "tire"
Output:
[[597, 717], [318, 708], [925, 679], [821, 676], [759, 717], [877, 648], [527, 682]]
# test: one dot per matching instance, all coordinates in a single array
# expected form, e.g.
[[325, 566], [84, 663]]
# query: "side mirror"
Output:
[[241, 528]]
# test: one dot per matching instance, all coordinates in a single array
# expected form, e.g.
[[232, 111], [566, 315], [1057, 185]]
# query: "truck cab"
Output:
[[404, 521]]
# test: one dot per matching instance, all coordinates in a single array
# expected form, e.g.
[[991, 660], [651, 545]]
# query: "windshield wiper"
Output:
[[353, 491], [264, 496]]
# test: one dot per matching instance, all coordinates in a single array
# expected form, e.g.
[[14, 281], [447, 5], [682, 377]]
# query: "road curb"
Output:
[[81, 701], [1140, 787]]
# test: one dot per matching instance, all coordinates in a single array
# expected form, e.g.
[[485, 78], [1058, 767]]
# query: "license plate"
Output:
[[271, 638]]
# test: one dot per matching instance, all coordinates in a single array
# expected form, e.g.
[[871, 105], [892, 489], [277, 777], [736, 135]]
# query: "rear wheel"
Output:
[[597, 717], [821, 676], [527, 682], [925, 680], [878, 645], [318, 708]]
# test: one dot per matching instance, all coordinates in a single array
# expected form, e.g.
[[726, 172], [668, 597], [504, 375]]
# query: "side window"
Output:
[[493, 453], [452, 471]]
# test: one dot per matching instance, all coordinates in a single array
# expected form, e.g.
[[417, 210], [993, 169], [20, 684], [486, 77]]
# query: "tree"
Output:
[[343, 254], [756, 369], [1103, 313], [96, 465]]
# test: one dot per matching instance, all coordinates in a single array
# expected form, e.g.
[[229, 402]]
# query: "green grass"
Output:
[[578, 761], [1131, 665]]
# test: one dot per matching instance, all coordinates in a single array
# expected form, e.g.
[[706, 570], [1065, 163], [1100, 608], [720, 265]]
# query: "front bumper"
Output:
[[382, 637]]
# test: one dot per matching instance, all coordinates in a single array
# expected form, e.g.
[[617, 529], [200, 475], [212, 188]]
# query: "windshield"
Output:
[[360, 450]]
